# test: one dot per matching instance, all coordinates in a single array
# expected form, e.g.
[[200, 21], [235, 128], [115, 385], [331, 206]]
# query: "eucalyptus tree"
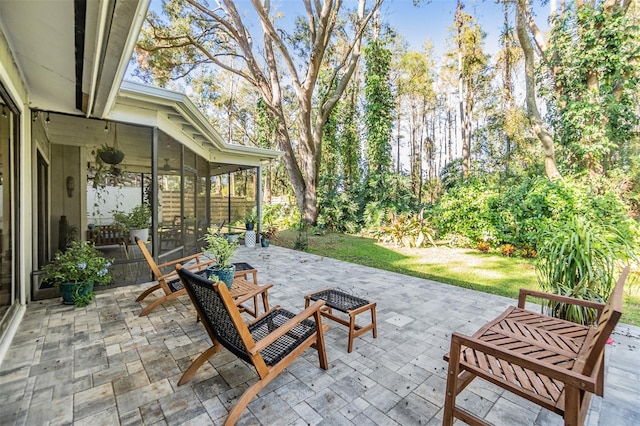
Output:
[[197, 33]]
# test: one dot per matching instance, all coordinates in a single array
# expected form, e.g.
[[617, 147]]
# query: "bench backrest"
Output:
[[606, 323], [106, 235]]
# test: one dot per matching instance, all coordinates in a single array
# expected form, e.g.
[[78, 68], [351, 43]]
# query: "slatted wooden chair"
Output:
[[169, 282], [270, 343], [554, 363]]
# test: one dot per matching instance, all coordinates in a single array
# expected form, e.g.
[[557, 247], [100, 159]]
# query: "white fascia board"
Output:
[[182, 105], [132, 39]]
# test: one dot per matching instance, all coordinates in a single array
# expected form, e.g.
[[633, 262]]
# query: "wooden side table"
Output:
[[242, 290], [350, 305]]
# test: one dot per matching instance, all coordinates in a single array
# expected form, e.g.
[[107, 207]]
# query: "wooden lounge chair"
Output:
[[170, 283], [553, 363], [270, 343]]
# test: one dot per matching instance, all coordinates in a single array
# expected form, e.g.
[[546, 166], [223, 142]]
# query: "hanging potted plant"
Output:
[[110, 154], [222, 250], [137, 221], [76, 270]]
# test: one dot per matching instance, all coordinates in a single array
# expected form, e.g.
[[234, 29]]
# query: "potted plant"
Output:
[[137, 221], [76, 270], [250, 220], [222, 250], [109, 154], [267, 234]]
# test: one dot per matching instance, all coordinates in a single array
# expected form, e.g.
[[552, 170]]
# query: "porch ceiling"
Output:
[[68, 66]]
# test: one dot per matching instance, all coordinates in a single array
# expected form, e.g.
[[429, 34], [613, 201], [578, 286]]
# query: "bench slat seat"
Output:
[[554, 363]]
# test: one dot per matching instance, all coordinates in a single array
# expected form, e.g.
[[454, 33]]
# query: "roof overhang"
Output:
[[72, 54], [175, 114]]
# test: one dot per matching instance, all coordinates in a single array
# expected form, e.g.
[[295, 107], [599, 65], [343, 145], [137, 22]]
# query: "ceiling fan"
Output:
[[167, 167]]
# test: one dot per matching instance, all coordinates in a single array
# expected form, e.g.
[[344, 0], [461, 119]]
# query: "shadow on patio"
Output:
[[105, 365]]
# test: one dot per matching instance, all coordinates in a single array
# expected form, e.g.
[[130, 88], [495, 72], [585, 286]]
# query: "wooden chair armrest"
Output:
[[258, 290], [522, 299], [196, 266], [259, 317], [182, 260], [568, 377], [287, 327]]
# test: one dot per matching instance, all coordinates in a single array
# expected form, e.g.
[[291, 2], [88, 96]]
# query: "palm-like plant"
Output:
[[578, 259]]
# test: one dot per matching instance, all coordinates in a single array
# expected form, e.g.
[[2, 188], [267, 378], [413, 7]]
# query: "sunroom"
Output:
[[174, 162]]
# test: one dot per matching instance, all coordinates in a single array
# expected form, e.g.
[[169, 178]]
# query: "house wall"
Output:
[[11, 80], [66, 161]]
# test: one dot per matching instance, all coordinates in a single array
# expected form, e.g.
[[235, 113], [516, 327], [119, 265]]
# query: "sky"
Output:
[[433, 20]]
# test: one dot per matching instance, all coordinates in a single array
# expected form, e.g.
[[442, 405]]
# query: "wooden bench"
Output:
[[554, 363], [107, 235]]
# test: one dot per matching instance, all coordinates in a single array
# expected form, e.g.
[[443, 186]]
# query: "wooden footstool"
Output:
[[350, 305]]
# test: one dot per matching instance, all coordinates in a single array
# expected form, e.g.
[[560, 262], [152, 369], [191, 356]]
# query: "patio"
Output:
[[105, 365]]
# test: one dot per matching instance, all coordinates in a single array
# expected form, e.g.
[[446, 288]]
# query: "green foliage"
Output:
[[388, 192], [339, 212], [464, 210], [578, 259], [79, 263], [379, 108], [138, 218], [451, 174], [406, 230], [593, 99], [302, 237], [515, 211], [219, 247]]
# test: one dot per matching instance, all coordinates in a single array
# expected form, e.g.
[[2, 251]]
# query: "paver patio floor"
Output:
[[104, 365]]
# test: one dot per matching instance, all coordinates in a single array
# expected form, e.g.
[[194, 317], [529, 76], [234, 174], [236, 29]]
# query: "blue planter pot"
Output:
[[224, 275], [69, 291]]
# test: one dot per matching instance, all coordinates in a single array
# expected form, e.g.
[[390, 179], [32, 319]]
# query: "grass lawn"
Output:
[[487, 272]]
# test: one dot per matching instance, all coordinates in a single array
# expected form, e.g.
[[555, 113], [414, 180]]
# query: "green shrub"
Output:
[[578, 259]]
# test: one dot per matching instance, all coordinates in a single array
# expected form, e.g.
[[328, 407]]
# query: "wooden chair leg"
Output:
[[147, 292], [160, 301], [320, 330], [571, 406], [189, 372], [451, 389], [247, 396]]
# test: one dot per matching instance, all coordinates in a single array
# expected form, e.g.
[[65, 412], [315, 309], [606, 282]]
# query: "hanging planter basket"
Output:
[[112, 157]]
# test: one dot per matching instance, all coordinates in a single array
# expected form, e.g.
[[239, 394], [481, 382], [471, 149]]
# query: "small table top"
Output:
[[243, 290], [339, 300]]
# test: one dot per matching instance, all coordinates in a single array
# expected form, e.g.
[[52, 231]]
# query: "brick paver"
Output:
[[105, 365]]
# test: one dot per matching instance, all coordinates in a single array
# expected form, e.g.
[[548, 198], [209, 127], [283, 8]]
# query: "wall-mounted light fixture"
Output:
[[35, 116], [4, 111], [70, 186], [47, 120], [106, 127]]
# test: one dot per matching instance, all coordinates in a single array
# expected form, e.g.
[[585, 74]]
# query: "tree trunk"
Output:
[[533, 114]]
